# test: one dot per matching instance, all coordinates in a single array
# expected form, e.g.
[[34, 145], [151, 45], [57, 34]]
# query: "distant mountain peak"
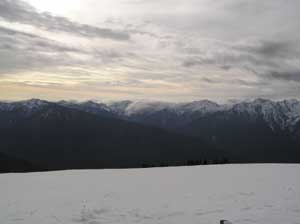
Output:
[[33, 103], [27, 106], [261, 101]]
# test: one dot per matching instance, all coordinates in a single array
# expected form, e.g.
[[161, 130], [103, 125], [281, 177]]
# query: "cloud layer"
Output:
[[151, 49]]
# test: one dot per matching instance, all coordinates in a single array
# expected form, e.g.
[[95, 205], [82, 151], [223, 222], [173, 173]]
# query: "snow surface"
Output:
[[264, 194]]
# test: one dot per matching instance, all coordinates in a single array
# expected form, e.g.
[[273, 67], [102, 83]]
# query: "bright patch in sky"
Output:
[[60, 7]]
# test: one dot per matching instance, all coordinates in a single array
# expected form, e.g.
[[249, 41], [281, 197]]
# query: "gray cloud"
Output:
[[286, 75], [199, 60], [211, 81], [21, 51], [21, 12], [272, 49], [251, 83], [260, 57], [13, 39]]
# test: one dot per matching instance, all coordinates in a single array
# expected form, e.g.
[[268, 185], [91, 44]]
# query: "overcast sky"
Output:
[[149, 49]]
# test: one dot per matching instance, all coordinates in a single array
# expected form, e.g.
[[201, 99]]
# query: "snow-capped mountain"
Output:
[[32, 104], [88, 106], [283, 115], [131, 108], [26, 106], [119, 107], [144, 107], [251, 131], [203, 107], [279, 115]]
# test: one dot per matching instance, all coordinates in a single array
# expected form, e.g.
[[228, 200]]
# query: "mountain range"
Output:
[[73, 135]]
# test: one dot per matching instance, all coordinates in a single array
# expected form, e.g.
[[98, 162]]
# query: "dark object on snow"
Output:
[[225, 222]]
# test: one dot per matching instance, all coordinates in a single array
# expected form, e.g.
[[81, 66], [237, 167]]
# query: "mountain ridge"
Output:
[[137, 132], [59, 137]]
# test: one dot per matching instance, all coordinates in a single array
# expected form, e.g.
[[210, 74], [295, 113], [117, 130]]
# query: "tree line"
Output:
[[192, 162]]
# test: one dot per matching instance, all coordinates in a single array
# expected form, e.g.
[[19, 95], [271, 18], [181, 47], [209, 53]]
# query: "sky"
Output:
[[140, 49]]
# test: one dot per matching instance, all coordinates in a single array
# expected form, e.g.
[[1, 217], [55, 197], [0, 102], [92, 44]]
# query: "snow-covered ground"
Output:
[[264, 194]]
